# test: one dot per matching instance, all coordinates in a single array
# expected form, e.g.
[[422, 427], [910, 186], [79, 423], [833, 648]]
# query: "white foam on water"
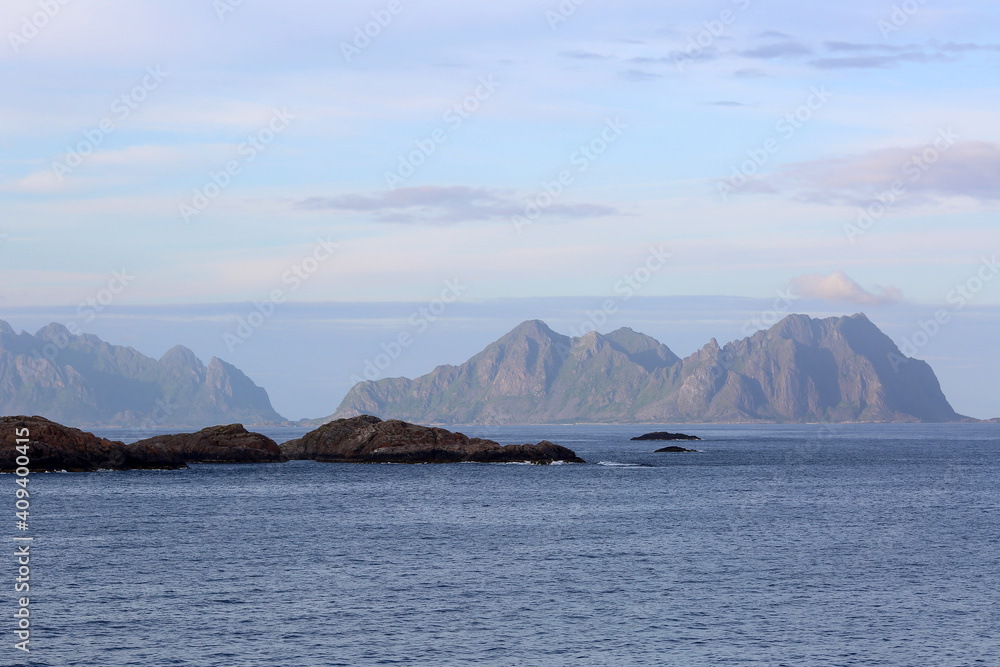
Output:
[[618, 464]]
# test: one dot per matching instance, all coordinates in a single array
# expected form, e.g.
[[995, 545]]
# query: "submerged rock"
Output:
[[368, 439], [54, 447], [664, 435], [218, 444]]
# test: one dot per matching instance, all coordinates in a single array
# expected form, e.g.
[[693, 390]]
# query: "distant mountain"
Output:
[[81, 380], [801, 370]]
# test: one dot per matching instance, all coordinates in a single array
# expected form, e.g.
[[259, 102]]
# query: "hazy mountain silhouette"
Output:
[[801, 370], [81, 380]]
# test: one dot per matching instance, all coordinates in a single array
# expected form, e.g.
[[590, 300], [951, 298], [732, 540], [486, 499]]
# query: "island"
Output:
[[800, 370], [674, 448], [664, 435], [368, 439], [365, 439], [218, 444], [52, 447]]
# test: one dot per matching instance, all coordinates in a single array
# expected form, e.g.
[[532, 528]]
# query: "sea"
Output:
[[771, 545]]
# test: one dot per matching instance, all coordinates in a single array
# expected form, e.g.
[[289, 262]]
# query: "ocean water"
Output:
[[773, 545]]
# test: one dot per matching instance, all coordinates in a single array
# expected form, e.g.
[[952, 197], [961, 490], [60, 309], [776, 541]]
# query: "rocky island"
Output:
[[665, 435], [53, 447], [368, 439], [218, 444], [801, 370], [363, 439]]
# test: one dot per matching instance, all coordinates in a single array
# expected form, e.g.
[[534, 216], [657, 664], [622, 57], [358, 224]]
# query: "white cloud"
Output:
[[104, 168], [942, 169], [437, 204], [839, 287]]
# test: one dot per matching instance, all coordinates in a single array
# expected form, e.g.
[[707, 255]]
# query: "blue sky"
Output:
[[226, 152]]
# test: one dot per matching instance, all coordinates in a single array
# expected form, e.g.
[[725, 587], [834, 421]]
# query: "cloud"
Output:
[[922, 174], [773, 34], [579, 54], [854, 47], [726, 103], [839, 54], [646, 60], [779, 50], [839, 287], [106, 168], [638, 75], [876, 62], [880, 56], [750, 73], [36, 183], [429, 204], [703, 55], [954, 47]]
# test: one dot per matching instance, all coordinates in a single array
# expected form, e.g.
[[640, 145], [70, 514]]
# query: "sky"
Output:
[[179, 162]]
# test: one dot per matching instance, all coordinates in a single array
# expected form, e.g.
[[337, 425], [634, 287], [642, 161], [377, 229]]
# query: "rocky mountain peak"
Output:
[[181, 357], [801, 369], [53, 331], [530, 329], [88, 382]]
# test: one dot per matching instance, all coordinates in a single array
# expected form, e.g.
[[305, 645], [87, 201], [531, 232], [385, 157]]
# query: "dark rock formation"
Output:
[[838, 369], [665, 435], [79, 379], [217, 444], [368, 439], [674, 448], [54, 447]]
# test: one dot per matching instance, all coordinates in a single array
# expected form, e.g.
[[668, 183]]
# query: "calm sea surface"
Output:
[[774, 545]]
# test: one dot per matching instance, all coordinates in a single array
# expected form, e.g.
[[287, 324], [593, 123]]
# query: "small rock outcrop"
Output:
[[674, 448], [218, 444], [54, 447], [368, 439], [664, 435]]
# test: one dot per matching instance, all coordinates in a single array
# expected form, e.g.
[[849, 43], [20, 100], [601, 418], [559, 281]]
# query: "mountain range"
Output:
[[82, 380], [800, 370]]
